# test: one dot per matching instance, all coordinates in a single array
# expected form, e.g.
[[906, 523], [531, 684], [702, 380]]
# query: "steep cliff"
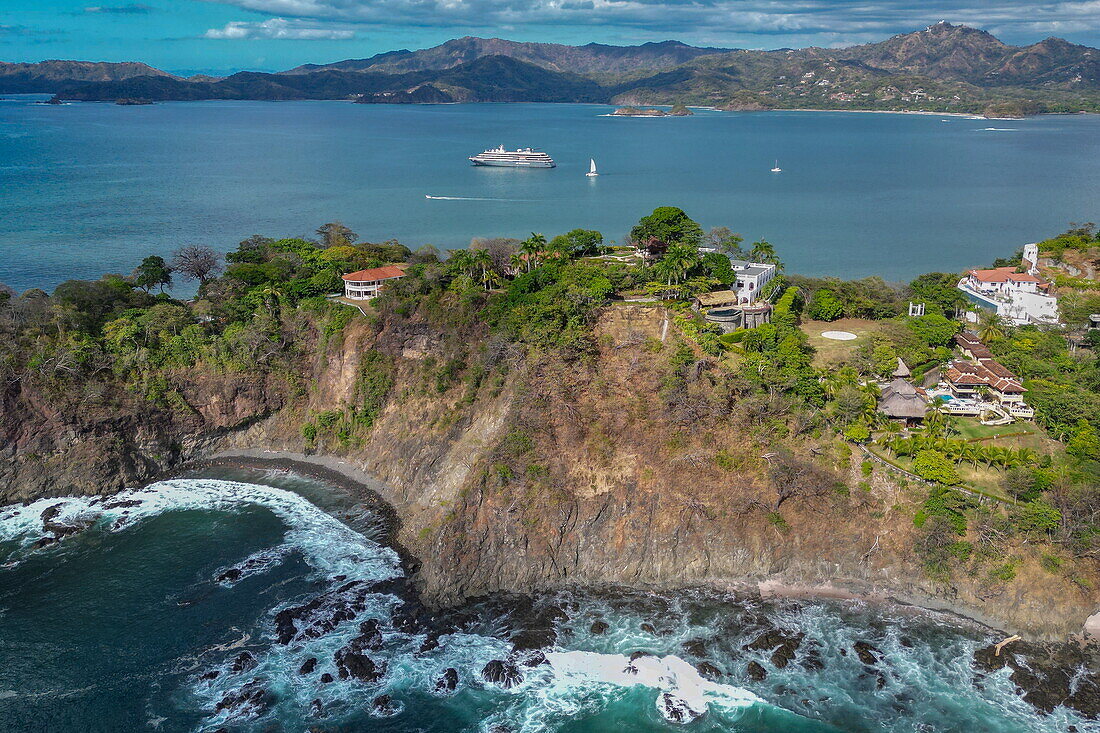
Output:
[[631, 465], [638, 462]]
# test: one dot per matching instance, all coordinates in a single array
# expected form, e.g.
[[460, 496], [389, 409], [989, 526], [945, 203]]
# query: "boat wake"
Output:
[[470, 198]]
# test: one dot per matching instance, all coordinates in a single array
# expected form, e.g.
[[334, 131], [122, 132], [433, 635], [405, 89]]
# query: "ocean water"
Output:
[[88, 188], [134, 624]]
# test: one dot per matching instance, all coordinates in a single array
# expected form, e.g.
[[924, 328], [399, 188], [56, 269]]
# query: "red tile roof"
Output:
[[1003, 274], [986, 371], [375, 273]]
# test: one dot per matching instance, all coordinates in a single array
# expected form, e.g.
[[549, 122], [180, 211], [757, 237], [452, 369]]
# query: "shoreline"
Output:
[[347, 476]]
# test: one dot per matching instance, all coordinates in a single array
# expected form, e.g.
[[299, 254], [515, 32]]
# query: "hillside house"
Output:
[[751, 278], [981, 376], [902, 401], [365, 284]]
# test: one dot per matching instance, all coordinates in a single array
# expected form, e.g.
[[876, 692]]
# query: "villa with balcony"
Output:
[[1019, 296], [365, 284], [980, 378]]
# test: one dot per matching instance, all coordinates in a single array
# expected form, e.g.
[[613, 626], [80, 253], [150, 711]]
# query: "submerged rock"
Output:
[[695, 647], [370, 635], [326, 678], [250, 700], [502, 673], [677, 710], [598, 627], [384, 706], [308, 666], [243, 662], [867, 653], [756, 671], [322, 614], [708, 671], [447, 682], [785, 644]]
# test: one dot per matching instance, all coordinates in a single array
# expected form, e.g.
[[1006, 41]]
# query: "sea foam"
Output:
[[330, 547]]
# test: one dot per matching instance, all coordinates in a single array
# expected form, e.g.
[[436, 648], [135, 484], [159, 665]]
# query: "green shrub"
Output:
[[867, 468], [934, 466]]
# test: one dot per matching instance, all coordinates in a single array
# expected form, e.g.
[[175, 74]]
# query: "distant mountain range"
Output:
[[943, 68]]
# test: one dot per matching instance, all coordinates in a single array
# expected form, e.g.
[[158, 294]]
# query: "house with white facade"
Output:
[[981, 377], [365, 284], [751, 278], [1020, 297]]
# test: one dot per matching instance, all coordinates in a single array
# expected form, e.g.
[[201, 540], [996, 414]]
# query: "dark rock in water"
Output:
[[708, 671], [598, 627], [316, 707], [811, 659], [502, 673], [242, 663], [122, 504], [384, 706], [784, 643], [756, 671], [695, 647], [1049, 675], [308, 666], [676, 710], [906, 642], [370, 636], [250, 700], [867, 653], [635, 656], [44, 542], [429, 644], [448, 681], [358, 666], [211, 675], [323, 614], [532, 658], [500, 729], [326, 678], [232, 575], [648, 628], [533, 639], [50, 512]]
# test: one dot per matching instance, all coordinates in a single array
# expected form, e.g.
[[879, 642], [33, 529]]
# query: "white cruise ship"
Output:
[[522, 158]]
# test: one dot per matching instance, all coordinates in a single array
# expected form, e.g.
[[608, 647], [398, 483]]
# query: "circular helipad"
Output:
[[839, 335]]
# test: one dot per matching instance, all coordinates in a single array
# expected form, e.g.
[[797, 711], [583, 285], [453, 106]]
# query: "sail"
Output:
[[591, 165]]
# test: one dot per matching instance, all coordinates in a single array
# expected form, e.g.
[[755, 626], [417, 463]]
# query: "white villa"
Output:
[[1020, 297], [365, 284], [751, 277]]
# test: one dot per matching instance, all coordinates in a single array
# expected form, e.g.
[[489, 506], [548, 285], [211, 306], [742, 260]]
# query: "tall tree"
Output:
[[670, 225], [725, 241], [335, 234], [990, 327], [196, 262], [152, 272]]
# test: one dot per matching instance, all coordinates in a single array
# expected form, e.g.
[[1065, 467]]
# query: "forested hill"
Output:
[[943, 68]]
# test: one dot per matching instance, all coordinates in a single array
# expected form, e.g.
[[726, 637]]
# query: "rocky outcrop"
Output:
[[548, 470]]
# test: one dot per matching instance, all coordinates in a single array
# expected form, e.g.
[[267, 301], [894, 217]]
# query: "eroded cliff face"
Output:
[[617, 467], [512, 471], [98, 438]]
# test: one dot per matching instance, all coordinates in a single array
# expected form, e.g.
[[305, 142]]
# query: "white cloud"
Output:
[[821, 18], [279, 29]]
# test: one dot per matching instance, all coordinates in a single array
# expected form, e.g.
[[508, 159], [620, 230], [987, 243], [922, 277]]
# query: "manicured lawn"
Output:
[[831, 352], [969, 428]]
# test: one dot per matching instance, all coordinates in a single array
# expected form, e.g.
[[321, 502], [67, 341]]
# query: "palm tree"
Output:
[[532, 248], [934, 420], [763, 251], [460, 262], [846, 376], [481, 258], [517, 262], [990, 328]]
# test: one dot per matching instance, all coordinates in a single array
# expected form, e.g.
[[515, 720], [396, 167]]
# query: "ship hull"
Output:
[[513, 163]]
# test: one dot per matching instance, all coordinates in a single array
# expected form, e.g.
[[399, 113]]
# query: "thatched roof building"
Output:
[[902, 371], [902, 401]]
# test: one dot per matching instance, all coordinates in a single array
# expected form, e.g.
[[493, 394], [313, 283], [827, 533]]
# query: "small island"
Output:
[[132, 101], [677, 110]]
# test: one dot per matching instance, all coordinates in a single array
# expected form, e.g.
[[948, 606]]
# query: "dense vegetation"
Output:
[[263, 310]]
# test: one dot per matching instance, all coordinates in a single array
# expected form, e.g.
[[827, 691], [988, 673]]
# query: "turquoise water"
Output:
[[132, 625], [88, 188]]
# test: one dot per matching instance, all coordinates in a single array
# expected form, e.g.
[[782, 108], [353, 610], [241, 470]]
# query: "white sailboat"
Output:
[[777, 169], [591, 168]]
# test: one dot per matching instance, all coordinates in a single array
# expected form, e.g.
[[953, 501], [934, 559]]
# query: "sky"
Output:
[[220, 36]]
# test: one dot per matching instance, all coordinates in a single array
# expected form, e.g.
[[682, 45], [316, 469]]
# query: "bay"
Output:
[[93, 188]]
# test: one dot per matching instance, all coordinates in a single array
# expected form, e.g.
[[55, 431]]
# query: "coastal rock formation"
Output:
[[1048, 675], [549, 471]]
